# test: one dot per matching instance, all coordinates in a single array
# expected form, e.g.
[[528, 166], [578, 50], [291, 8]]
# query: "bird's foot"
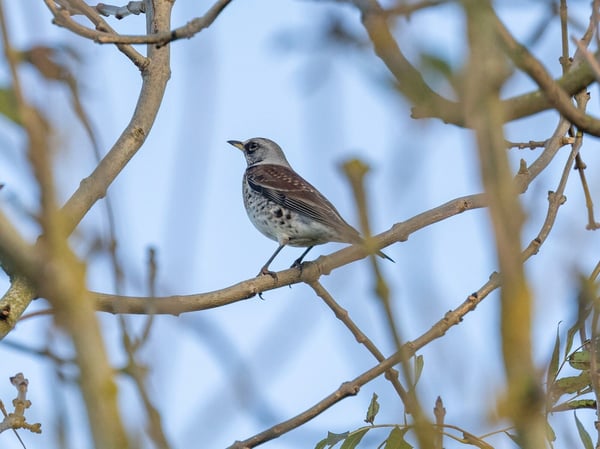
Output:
[[265, 270], [299, 264]]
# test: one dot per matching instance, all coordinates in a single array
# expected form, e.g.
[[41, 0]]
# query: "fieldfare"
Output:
[[284, 206]]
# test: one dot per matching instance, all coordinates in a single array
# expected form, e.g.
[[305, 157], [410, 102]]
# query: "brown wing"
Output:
[[288, 189]]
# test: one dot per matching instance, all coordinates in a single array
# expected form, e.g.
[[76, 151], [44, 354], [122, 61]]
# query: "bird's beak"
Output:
[[236, 143]]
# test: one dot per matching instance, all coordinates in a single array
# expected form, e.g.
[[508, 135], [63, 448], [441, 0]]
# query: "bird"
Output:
[[285, 207]]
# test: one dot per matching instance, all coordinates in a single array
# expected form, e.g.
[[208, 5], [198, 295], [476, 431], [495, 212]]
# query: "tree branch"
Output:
[[62, 17], [155, 76], [343, 315], [310, 272], [17, 420], [105, 35], [555, 94], [429, 104]]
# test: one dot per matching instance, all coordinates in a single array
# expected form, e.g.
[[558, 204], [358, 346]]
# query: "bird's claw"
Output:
[[264, 271], [298, 264]]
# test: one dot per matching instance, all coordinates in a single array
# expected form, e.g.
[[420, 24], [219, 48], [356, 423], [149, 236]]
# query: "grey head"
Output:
[[259, 150]]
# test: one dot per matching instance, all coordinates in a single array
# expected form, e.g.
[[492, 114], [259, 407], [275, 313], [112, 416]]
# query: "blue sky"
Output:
[[227, 374]]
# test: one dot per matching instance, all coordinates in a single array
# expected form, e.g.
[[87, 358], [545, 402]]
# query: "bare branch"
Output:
[[91, 189], [342, 315], [16, 419], [121, 12], [439, 411], [560, 99], [62, 17], [105, 35]]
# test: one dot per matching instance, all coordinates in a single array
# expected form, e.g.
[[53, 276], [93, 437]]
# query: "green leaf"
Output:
[[575, 405], [570, 336], [331, 440], [419, 363], [354, 438], [372, 410], [321, 444], [473, 440], [550, 435], [572, 384], [580, 360], [396, 439], [553, 367], [582, 403], [583, 434]]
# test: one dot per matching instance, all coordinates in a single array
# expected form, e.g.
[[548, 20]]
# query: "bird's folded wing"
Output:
[[288, 189]]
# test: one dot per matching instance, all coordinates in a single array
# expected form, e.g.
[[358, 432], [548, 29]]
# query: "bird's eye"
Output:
[[251, 147]]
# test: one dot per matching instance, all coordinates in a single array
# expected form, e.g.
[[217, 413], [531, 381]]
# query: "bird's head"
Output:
[[259, 150]]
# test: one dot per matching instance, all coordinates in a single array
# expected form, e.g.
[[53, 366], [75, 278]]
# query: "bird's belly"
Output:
[[283, 225]]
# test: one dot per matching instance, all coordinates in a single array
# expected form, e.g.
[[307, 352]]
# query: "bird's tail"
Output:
[[385, 256]]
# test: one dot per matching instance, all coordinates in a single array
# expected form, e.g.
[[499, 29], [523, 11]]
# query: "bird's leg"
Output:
[[298, 262], [265, 268]]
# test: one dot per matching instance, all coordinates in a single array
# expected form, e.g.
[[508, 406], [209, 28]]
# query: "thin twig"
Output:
[[532, 144], [580, 166], [342, 315], [560, 99], [356, 170], [564, 35], [62, 17], [439, 411], [589, 57], [120, 12], [105, 35], [16, 419]]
